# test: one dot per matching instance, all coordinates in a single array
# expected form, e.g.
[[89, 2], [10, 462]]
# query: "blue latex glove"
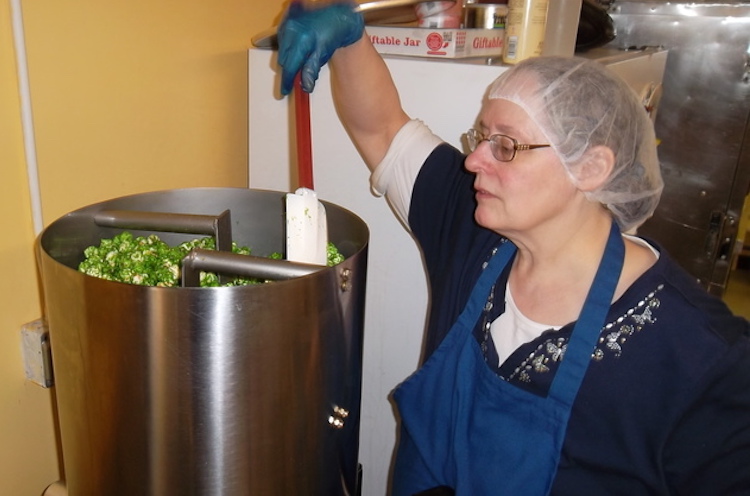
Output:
[[308, 36]]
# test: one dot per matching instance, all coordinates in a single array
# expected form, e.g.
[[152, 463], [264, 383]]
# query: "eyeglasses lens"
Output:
[[503, 147], [473, 138]]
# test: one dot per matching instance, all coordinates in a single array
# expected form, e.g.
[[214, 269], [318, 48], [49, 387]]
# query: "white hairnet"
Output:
[[579, 104]]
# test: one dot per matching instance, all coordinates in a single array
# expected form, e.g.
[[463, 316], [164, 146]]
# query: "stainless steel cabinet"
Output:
[[702, 122]]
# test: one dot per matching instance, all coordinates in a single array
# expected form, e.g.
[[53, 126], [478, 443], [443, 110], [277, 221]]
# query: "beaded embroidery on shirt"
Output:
[[612, 339]]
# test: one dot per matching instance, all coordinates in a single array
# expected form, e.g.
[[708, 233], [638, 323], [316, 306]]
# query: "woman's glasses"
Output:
[[503, 147]]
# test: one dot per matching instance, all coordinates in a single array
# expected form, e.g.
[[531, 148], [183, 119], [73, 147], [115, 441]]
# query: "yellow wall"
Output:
[[127, 97]]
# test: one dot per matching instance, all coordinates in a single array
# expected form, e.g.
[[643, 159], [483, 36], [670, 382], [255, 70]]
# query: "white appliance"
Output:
[[445, 94]]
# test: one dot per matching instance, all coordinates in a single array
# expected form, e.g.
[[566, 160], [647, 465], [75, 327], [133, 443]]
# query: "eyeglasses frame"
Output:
[[476, 136]]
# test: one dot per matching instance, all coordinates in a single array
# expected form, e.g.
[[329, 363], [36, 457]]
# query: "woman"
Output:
[[561, 356]]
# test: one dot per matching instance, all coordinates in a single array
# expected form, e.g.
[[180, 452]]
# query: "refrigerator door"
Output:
[[702, 123]]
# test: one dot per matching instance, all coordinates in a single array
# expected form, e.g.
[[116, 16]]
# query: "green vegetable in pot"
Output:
[[333, 255], [149, 261]]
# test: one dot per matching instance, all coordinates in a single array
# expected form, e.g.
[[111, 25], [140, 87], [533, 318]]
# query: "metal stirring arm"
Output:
[[199, 260], [218, 226]]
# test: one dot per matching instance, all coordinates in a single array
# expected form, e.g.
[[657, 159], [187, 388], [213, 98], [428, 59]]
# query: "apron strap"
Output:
[[487, 278], [587, 329]]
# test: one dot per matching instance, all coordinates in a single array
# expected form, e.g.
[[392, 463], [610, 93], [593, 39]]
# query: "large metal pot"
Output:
[[207, 391]]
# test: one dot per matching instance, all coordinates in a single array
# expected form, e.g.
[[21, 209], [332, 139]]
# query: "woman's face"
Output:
[[532, 189]]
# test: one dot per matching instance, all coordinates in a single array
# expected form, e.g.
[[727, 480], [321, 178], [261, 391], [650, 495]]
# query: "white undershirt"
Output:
[[512, 329]]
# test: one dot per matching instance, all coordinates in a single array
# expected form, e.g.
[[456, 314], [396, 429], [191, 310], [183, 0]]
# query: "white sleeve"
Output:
[[396, 174]]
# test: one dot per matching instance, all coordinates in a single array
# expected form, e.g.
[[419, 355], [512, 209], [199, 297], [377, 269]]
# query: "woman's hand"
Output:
[[309, 35]]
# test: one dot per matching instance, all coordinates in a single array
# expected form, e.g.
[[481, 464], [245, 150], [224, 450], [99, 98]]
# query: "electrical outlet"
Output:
[[37, 355]]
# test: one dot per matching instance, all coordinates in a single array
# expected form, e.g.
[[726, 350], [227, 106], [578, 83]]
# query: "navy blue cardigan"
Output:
[[665, 405]]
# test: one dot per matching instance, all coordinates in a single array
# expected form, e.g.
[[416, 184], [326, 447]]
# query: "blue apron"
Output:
[[464, 427]]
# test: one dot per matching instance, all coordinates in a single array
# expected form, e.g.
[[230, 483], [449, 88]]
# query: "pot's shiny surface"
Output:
[[207, 391]]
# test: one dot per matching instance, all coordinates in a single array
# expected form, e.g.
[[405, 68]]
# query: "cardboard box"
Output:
[[437, 43]]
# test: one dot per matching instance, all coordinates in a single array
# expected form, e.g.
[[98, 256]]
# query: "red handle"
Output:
[[304, 134]]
